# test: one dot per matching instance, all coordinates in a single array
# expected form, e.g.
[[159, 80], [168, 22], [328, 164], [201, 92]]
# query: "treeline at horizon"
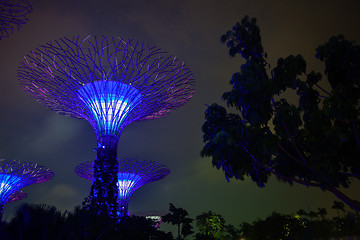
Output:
[[41, 221]]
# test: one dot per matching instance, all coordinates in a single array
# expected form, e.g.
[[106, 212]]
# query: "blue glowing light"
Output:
[[110, 103], [8, 185], [127, 184]]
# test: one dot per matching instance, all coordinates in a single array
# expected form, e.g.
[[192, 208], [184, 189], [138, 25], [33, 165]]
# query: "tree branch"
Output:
[[351, 174], [353, 126], [322, 89], [290, 136], [351, 203], [343, 197], [290, 155]]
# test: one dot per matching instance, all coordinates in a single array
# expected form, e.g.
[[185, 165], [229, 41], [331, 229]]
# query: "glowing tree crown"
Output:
[[133, 174], [15, 175], [108, 81], [12, 14]]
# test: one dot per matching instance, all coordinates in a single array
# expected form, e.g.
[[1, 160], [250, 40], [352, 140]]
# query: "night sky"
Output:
[[190, 30]]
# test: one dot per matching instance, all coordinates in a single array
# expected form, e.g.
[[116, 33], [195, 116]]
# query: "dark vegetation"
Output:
[[180, 218], [311, 140], [46, 222], [43, 222]]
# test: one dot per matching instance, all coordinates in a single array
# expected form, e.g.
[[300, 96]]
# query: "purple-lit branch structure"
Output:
[[16, 196], [15, 175], [13, 15], [110, 82], [133, 174]]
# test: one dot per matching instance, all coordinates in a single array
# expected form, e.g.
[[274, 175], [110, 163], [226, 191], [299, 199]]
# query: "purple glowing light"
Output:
[[110, 102]]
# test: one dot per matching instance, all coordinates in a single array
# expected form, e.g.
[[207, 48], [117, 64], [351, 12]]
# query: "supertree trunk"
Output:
[[104, 190], [1, 211], [123, 209]]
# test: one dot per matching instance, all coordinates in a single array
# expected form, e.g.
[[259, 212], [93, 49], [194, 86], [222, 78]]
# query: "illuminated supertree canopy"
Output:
[[15, 175], [13, 15], [133, 174], [110, 82]]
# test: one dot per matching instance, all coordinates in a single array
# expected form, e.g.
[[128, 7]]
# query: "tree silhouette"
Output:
[[314, 142], [338, 206], [179, 217], [38, 221], [322, 212]]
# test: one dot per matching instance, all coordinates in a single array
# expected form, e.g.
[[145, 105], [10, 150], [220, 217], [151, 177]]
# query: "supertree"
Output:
[[15, 175], [110, 82], [13, 14], [133, 174]]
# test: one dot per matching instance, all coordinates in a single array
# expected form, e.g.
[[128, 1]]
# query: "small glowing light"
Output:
[[126, 183], [4, 187], [156, 218], [110, 103]]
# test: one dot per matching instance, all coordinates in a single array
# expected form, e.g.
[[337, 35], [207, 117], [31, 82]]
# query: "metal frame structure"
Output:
[[110, 82], [133, 174], [15, 175], [13, 14]]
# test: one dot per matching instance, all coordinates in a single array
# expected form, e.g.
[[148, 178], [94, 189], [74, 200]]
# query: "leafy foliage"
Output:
[[312, 141], [212, 226], [179, 217]]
